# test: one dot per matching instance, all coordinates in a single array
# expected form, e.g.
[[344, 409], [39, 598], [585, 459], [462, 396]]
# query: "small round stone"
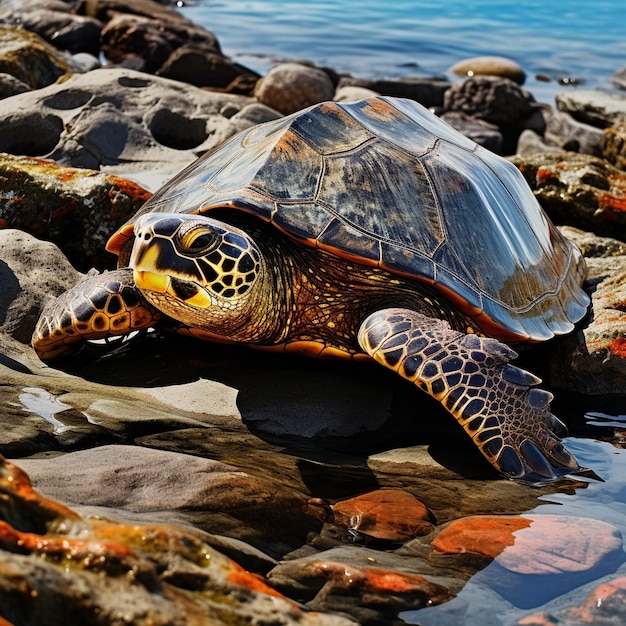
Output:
[[490, 66]]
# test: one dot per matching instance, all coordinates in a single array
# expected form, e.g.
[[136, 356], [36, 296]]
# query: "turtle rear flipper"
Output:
[[105, 305], [497, 404]]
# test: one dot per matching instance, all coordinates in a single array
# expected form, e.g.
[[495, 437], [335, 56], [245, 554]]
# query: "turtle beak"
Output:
[[146, 256], [158, 268]]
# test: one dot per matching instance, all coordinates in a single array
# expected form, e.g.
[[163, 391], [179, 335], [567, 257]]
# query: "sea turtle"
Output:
[[362, 230]]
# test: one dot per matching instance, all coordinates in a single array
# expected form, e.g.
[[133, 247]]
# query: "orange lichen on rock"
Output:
[[611, 205], [127, 187], [243, 578], [373, 581], [618, 347], [20, 504], [545, 174]]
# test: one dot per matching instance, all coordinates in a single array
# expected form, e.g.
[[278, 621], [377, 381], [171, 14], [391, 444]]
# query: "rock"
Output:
[[485, 535], [207, 69], [598, 108], [105, 10], [78, 209], [352, 93], [390, 514], [120, 121], [29, 58], [497, 100], [565, 132], [537, 119], [31, 271], [254, 113], [289, 87], [83, 62], [618, 78], [530, 143], [150, 40], [604, 606], [10, 86], [137, 573], [578, 190], [594, 247], [207, 494], [59, 26], [483, 133], [592, 360], [615, 145], [490, 66], [536, 557], [369, 593], [428, 92]]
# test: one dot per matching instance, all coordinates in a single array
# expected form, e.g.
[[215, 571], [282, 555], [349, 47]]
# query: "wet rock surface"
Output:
[[182, 482], [57, 567]]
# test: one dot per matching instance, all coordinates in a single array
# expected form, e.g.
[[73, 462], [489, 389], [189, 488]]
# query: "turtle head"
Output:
[[199, 271]]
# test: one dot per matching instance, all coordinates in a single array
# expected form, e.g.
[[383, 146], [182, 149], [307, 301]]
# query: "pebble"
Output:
[[490, 66], [289, 87], [390, 514]]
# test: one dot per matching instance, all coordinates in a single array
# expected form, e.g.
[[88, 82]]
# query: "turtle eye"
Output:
[[200, 241]]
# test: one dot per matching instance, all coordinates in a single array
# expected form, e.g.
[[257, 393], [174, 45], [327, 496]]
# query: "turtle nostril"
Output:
[[147, 236], [184, 290]]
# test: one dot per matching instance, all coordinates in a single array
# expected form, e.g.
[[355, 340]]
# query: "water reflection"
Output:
[[507, 589]]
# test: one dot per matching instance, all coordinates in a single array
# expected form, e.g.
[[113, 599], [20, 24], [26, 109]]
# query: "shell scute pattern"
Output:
[[386, 183]]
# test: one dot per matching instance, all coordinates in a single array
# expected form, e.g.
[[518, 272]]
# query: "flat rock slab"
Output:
[[205, 493], [124, 122], [598, 108]]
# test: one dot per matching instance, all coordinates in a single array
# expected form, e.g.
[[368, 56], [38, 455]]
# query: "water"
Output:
[[561, 39]]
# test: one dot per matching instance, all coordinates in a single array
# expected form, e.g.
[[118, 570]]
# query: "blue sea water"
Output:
[[558, 39]]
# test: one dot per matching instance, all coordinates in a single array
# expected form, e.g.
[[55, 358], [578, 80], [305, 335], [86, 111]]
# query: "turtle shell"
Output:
[[385, 182]]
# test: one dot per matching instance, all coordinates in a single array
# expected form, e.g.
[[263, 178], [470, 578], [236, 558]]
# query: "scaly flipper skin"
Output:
[[102, 306], [496, 403]]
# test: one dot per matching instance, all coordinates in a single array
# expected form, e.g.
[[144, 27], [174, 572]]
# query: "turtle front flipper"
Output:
[[497, 404], [101, 306]]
